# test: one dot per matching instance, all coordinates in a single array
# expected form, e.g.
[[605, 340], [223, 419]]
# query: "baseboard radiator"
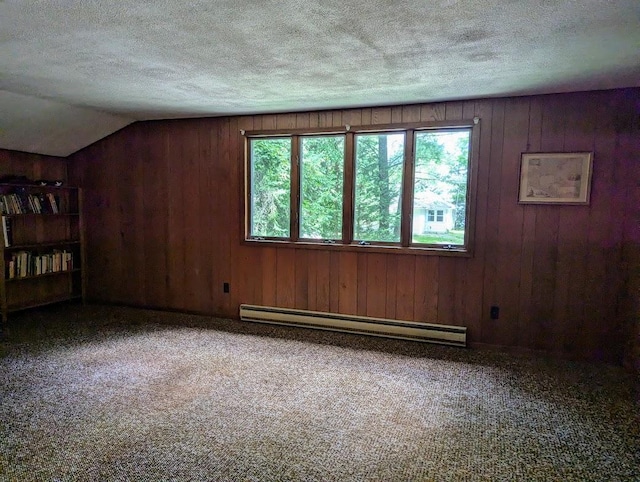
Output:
[[405, 330]]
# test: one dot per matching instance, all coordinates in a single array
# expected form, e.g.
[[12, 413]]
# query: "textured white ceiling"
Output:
[[130, 59]]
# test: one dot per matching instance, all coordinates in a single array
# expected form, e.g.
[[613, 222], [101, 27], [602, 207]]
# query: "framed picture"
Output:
[[555, 178]]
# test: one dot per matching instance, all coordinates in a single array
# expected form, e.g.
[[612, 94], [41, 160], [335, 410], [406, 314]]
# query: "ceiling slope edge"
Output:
[[41, 126]]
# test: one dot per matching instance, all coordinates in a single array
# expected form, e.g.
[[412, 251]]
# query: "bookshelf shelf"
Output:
[[41, 232], [36, 246], [11, 308], [25, 215], [36, 276]]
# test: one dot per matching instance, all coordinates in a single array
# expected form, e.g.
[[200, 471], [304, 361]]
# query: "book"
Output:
[[6, 231], [54, 204], [45, 206]]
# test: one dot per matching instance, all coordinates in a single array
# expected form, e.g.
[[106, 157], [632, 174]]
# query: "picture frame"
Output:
[[555, 178]]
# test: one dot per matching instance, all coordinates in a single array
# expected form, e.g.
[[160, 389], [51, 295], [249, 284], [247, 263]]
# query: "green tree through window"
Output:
[[270, 187], [378, 210], [363, 187], [321, 187]]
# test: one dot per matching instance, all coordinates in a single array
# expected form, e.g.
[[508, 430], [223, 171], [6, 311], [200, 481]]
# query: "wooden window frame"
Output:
[[347, 243]]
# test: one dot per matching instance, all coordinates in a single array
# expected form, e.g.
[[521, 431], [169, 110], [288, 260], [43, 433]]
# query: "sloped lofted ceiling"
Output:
[[72, 72]]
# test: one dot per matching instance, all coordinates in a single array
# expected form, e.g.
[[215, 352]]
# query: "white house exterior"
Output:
[[432, 214]]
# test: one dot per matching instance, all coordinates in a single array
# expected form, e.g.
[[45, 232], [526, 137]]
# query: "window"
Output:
[[378, 187], [321, 187], [397, 186], [440, 186], [270, 187]]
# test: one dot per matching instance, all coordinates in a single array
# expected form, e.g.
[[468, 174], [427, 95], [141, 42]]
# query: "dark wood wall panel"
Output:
[[33, 166], [164, 211]]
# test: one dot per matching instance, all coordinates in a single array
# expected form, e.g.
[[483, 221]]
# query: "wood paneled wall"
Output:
[[163, 203], [33, 166]]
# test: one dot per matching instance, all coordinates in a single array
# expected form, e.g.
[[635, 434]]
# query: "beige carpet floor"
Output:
[[106, 393]]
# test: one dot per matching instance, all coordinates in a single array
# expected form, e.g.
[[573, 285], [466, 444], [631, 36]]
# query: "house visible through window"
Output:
[[435, 215], [362, 187]]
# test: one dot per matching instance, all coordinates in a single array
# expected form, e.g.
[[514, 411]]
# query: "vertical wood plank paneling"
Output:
[[312, 280], [230, 175], [301, 260], [516, 126], [285, 278], [336, 118], [303, 120], [325, 119], [492, 209], [36, 166], [314, 119], [573, 223], [352, 117], [268, 122], [322, 281], [111, 222], [446, 290], [396, 114], [392, 286], [348, 284], [376, 284], [269, 275], [526, 258], [405, 291], [411, 113], [432, 112], [453, 110], [220, 215], [420, 298], [285, 121], [546, 244], [600, 241], [140, 149], [362, 275], [191, 193], [334, 281], [627, 128], [366, 117], [155, 209], [176, 196], [381, 115]]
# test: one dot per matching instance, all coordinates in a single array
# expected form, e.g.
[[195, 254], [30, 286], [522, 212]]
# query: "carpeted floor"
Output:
[[108, 393]]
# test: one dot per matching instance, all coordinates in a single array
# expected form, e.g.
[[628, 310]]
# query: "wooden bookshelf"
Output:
[[42, 242]]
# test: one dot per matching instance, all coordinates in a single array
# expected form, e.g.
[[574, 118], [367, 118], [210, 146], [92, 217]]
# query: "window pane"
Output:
[[270, 187], [378, 177], [441, 168], [321, 169]]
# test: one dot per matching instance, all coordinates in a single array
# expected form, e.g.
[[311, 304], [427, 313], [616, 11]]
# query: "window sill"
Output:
[[367, 248]]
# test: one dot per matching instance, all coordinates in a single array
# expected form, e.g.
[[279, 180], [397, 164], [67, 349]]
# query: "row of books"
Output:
[[24, 263], [25, 203]]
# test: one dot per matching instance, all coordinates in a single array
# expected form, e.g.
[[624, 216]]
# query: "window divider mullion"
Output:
[[348, 189], [248, 190], [407, 188], [295, 189]]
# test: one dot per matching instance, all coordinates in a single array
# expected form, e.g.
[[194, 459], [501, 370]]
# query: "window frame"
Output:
[[347, 243], [299, 161]]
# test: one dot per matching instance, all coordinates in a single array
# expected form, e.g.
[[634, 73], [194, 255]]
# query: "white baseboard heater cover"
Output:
[[405, 330]]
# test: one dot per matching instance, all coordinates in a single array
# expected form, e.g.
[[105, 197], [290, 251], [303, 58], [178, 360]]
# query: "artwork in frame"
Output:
[[555, 178]]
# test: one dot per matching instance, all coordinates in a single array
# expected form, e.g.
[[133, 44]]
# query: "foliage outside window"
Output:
[[270, 187], [321, 186], [379, 167], [362, 188]]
